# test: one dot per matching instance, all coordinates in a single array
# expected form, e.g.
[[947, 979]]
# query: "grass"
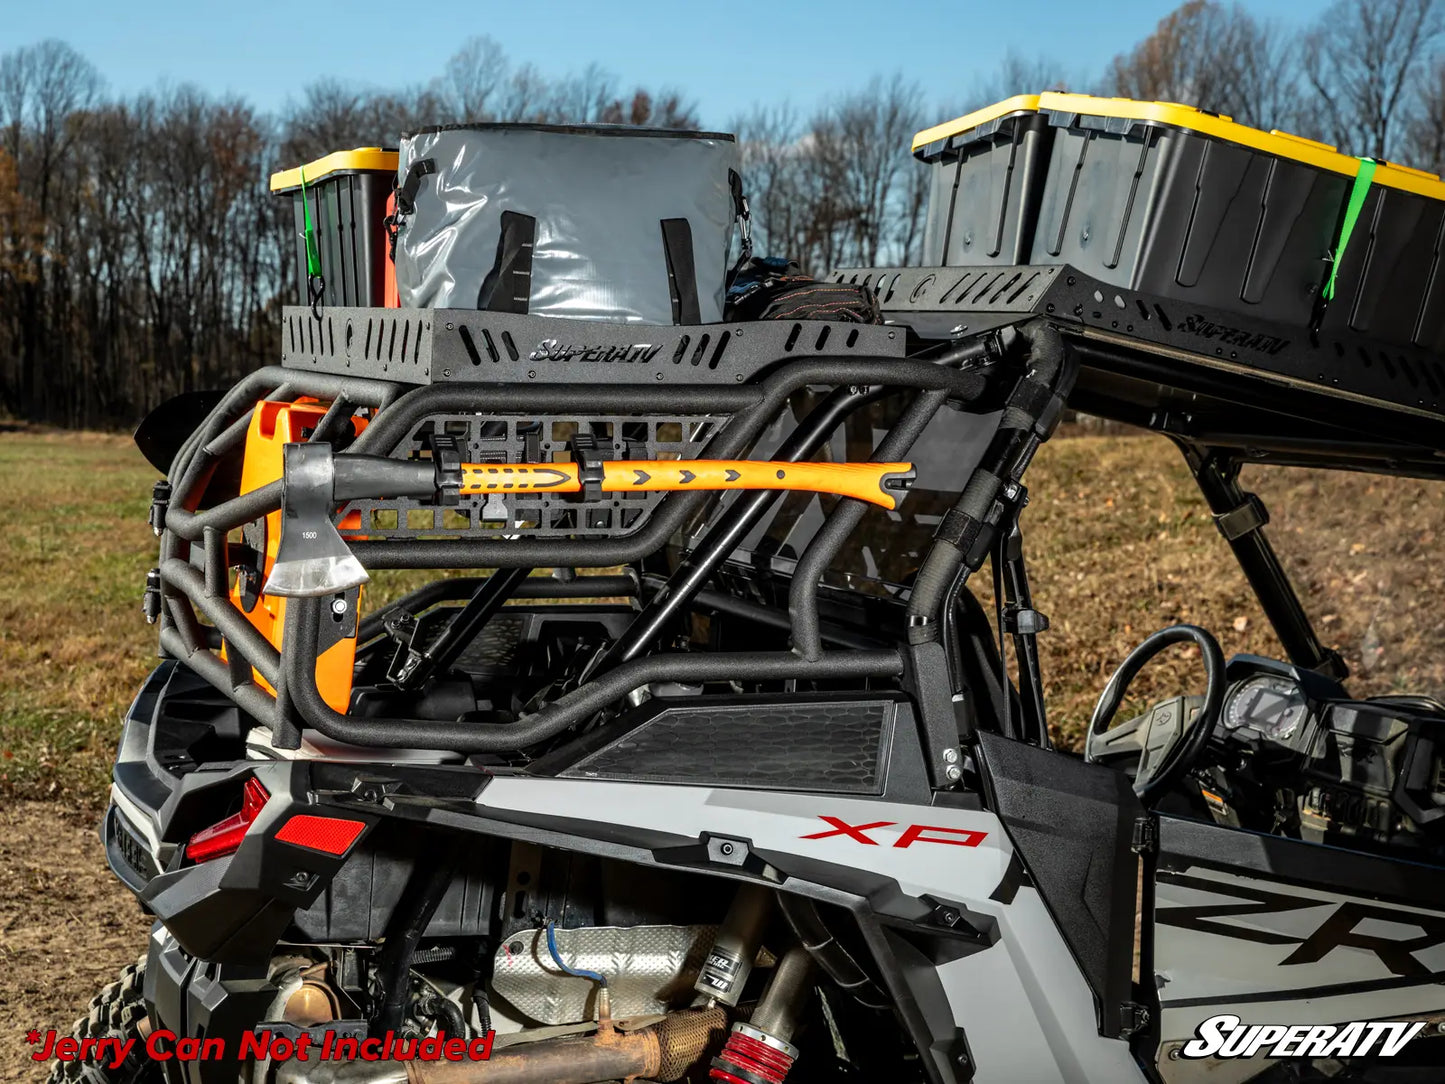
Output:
[[73, 643], [1118, 542]]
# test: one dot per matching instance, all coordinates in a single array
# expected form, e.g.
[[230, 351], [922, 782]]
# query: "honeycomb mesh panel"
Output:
[[837, 747]]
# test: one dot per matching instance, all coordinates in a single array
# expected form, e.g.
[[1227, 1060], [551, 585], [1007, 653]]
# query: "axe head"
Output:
[[311, 558]]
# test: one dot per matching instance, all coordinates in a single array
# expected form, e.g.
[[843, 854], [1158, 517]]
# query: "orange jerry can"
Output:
[[273, 426], [389, 296]]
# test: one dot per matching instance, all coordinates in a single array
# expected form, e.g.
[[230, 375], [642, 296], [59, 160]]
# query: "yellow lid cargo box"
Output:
[[340, 204], [1179, 203], [986, 183]]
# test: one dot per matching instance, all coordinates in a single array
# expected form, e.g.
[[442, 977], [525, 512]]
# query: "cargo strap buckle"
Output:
[[315, 283], [744, 215], [403, 629]]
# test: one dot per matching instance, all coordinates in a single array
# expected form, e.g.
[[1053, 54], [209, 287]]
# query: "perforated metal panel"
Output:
[[838, 747]]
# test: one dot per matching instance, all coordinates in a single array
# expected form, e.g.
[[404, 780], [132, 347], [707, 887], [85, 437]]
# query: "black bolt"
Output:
[[515, 947], [726, 849]]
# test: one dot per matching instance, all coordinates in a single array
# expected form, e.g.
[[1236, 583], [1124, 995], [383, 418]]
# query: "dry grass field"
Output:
[[1119, 544]]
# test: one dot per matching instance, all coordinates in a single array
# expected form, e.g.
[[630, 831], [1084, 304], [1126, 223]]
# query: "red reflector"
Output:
[[333, 835], [224, 837]]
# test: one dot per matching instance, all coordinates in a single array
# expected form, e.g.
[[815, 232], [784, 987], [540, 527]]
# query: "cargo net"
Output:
[[495, 439]]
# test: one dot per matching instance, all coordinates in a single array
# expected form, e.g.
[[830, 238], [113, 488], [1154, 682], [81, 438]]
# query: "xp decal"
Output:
[[914, 833]]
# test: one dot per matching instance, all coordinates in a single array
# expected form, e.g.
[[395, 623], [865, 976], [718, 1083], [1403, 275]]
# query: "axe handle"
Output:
[[877, 483]]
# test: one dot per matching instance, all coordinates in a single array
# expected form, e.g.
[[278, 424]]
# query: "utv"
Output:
[[703, 761]]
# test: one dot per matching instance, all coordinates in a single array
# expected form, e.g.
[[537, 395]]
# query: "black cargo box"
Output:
[[987, 178], [343, 197], [1180, 203]]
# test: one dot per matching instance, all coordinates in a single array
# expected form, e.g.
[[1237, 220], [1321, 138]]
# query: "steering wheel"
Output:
[[1160, 738]]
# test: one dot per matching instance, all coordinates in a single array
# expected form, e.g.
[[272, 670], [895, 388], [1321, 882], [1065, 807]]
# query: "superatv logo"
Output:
[[1227, 1036], [1232, 336], [552, 350]]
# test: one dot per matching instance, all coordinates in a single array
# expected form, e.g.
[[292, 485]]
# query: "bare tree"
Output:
[[476, 77], [861, 145], [1424, 140], [774, 151], [1267, 77], [45, 92], [1214, 57], [667, 109], [1015, 74], [1363, 63]]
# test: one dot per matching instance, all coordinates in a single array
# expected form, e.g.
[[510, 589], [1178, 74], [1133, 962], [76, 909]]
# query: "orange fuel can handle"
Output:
[[877, 483]]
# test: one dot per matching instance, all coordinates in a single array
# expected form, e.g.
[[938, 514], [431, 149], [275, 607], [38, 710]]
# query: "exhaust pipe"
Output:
[[663, 1053]]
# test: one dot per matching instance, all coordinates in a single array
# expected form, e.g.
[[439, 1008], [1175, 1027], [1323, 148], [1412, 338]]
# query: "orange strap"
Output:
[[877, 483]]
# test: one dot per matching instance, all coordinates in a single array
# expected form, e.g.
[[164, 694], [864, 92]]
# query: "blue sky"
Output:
[[725, 56]]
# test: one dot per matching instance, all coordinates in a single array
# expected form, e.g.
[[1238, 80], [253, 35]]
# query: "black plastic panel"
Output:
[[1073, 824]]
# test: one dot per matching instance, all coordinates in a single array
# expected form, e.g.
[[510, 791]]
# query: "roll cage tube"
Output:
[[1241, 518], [985, 516]]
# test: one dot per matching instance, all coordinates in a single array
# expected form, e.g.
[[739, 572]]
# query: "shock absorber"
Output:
[[759, 1052]]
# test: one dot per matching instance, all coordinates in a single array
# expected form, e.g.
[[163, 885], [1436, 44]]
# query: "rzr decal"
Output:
[[914, 833], [1227, 1037], [1340, 930]]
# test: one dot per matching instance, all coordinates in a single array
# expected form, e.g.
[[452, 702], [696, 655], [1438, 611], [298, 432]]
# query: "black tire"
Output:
[[117, 1011]]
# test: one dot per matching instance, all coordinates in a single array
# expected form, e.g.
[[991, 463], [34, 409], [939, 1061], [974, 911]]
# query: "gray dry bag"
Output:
[[598, 223]]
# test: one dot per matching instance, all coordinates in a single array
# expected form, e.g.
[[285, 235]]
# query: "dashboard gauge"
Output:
[[1268, 703]]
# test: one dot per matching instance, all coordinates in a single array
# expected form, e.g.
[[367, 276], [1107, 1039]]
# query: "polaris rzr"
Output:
[[721, 770]]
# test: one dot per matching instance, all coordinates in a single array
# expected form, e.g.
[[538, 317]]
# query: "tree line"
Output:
[[141, 254]]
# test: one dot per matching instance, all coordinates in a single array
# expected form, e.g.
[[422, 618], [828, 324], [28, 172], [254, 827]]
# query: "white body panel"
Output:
[[1026, 1010]]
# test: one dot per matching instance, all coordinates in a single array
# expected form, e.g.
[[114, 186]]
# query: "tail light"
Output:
[[224, 837]]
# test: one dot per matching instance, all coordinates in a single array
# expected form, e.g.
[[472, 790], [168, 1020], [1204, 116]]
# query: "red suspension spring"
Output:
[[752, 1056]]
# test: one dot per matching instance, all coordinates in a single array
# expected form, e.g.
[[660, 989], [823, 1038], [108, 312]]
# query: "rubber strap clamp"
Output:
[[590, 469]]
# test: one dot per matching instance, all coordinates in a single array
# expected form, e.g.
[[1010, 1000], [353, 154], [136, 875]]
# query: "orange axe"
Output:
[[313, 559]]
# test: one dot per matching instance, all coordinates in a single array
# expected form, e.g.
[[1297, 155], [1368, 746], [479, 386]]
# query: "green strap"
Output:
[[1352, 215], [313, 251]]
